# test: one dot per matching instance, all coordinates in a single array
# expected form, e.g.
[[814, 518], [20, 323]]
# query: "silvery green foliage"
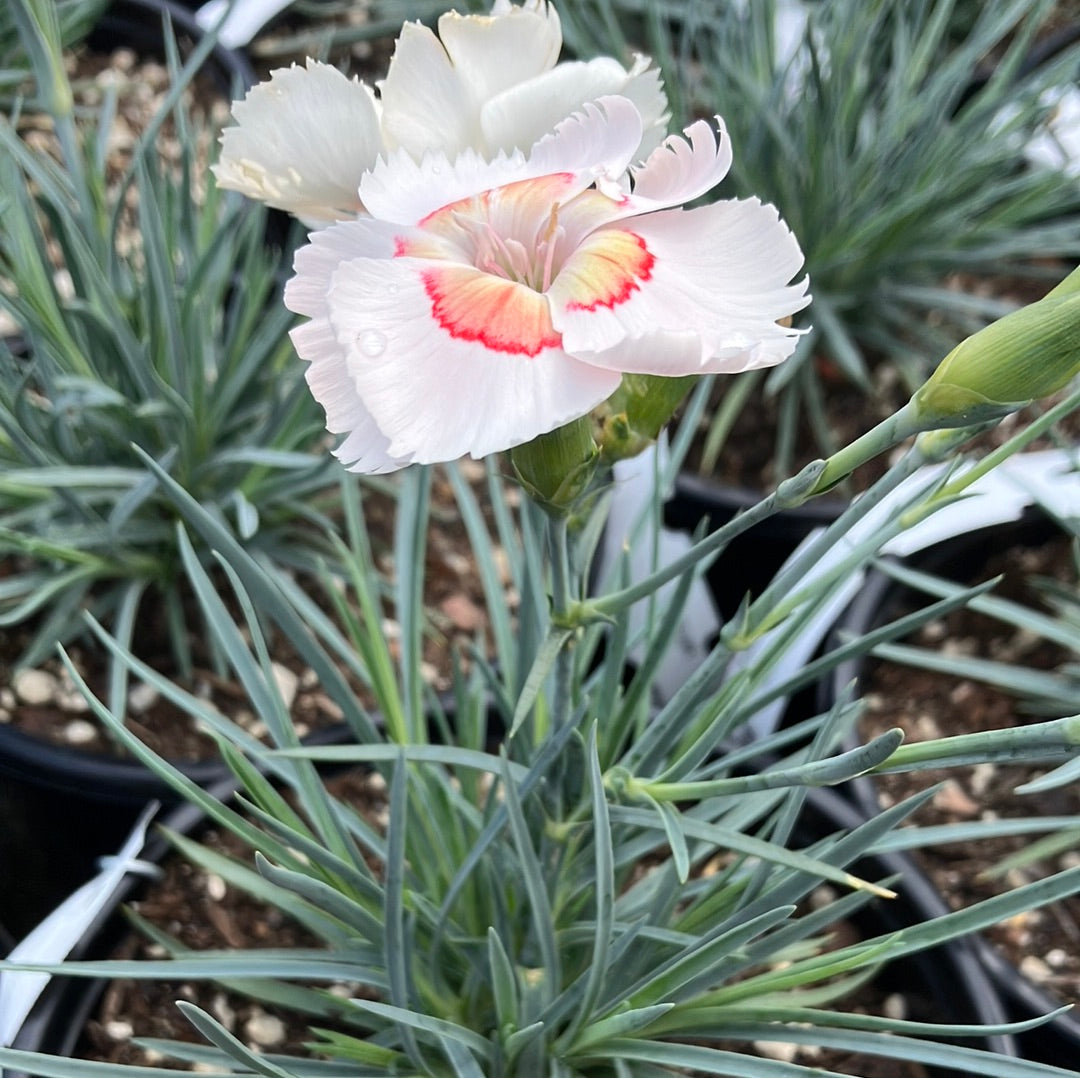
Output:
[[74, 19], [176, 344], [500, 921]]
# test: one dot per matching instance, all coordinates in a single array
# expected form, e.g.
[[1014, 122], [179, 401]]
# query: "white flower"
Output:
[[483, 303], [303, 139]]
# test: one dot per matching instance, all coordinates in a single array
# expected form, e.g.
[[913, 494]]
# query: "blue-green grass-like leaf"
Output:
[[222, 1039], [432, 1028]]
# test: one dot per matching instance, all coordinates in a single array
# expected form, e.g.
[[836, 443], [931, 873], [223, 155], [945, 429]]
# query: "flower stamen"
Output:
[[547, 244]]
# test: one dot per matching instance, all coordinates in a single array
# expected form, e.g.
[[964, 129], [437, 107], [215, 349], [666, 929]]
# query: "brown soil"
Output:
[[1044, 943]]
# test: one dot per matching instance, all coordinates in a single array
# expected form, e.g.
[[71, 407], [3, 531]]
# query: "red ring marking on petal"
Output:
[[501, 315], [606, 269]]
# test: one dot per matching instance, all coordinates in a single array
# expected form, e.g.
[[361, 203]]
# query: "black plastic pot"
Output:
[[58, 1018], [881, 600], [62, 810], [137, 24]]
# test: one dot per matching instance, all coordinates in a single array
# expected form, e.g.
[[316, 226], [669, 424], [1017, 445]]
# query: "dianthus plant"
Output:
[[567, 880]]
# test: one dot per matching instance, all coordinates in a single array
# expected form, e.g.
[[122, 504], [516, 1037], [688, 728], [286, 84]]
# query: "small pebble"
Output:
[[264, 1029], [142, 697], [457, 563], [329, 707], [895, 1006], [1057, 958], [981, 777], [119, 1030], [7, 698], [926, 727], [287, 683], [951, 798], [73, 702], [1035, 969], [35, 687], [215, 886], [223, 1012], [783, 1051], [962, 647], [463, 613], [80, 732]]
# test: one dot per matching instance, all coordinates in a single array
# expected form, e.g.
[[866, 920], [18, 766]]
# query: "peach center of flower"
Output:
[[496, 255]]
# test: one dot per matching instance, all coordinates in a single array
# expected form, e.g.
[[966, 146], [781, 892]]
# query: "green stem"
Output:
[[1036, 742], [1035, 429], [612, 603], [816, 478], [900, 425], [561, 605]]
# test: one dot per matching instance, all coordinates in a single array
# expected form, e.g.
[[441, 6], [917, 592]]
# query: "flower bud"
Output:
[[556, 468], [631, 419], [1030, 353]]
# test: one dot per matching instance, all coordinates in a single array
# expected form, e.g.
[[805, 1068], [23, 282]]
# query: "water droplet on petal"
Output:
[[371, 342]]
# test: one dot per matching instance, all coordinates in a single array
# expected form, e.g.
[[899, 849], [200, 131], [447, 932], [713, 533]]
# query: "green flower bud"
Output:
[[1030, 353], [631, 419], [556, 469]]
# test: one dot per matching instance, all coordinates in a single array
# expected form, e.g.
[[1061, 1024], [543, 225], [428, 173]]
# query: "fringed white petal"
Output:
[[683, 168], [491, 53], [719, 272], [365, 448], [301, 142], [595, 145]]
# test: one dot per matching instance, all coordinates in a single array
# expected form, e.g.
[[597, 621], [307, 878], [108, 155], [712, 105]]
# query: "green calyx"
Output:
[[556, 469], [1028, 354], [631, 419]]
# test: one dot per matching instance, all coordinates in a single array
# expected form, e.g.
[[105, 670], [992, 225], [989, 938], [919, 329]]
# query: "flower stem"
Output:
[[1028, 434], [561, 605]]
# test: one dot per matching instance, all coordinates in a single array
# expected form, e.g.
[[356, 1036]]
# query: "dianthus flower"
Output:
[[483, 303], [489, 83]]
